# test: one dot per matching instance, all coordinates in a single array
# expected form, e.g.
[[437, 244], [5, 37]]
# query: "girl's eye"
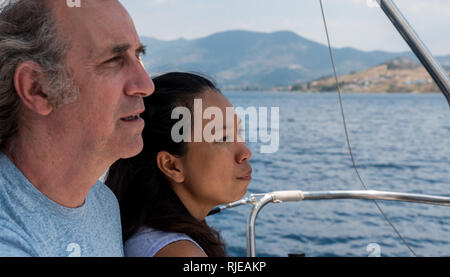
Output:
[[224, 139], [240, 132]]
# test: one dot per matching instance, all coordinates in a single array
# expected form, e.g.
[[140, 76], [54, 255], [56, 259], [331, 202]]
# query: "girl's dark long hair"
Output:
[[145, 196]]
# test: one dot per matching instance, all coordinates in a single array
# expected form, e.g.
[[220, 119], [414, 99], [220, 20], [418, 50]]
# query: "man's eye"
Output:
[[115, 59]]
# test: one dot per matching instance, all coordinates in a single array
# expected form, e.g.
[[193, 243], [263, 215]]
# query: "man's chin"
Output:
[[133, 149]]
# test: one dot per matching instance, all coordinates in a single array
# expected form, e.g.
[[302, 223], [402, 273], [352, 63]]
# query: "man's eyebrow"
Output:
[[119, 49], [142, 49]]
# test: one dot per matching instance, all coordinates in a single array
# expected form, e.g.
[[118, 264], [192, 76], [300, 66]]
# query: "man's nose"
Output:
[[140, 83]]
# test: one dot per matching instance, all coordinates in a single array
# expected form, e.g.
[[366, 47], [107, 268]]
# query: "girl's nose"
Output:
[[244, 154]]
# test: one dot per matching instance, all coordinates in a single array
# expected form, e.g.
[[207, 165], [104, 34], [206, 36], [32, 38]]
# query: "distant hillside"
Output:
[[253, 60], [396, 75]]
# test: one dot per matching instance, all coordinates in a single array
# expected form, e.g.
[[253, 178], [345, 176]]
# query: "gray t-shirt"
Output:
[[33, 225]]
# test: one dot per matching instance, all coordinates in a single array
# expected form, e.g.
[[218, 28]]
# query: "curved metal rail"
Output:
[[297, 195], [424, 55]]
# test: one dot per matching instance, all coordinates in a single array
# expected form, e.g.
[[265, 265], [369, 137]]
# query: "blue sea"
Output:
[[401, 143]]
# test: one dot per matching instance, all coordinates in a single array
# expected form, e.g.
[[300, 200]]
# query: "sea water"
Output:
[[401, 143]]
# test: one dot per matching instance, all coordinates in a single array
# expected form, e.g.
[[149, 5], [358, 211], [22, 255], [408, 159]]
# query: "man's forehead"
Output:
[[64, 9], [98, 25]]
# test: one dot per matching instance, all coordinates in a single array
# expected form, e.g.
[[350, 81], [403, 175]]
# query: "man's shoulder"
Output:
[[13, 240], [14, 198], [103, 192], [3, 177], [2, 183], [6, 198], [103, 198], [11, 181]]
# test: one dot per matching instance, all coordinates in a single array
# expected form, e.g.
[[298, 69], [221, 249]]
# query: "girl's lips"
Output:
[[245, 178]]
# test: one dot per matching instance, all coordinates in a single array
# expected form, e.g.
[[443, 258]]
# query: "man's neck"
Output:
[[59, 172]]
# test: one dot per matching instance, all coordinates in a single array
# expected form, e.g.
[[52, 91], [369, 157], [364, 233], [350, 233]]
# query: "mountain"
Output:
[[246, 60], [396, 75]]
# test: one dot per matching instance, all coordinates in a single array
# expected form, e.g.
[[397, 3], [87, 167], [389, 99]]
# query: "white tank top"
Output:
[[148, 241]]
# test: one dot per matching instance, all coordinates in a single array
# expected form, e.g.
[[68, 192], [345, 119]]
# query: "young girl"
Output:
[[166, 191]]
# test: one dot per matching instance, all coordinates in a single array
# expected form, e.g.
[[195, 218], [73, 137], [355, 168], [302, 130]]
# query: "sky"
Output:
[[353, 23]]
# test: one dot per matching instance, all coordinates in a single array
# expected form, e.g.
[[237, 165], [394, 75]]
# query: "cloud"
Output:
[[434, 7], [152, 3]]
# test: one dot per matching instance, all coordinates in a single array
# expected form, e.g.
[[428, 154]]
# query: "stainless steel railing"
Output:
[[297, 195], [260, 200]]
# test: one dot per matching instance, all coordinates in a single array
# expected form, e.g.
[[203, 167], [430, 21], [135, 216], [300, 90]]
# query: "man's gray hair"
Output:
[[28, 33]]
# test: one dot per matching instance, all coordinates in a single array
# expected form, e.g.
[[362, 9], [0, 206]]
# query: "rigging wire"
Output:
[[347, 136]]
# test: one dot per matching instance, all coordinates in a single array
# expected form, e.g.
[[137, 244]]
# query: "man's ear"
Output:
[[28, 83], [171, 166]]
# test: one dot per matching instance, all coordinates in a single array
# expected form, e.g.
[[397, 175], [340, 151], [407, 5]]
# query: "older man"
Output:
[[72, 84]]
